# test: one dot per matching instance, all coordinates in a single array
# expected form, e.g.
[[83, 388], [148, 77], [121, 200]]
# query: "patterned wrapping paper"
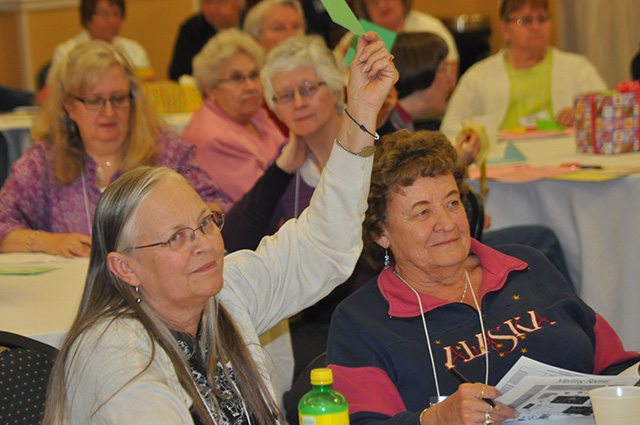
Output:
[[608, 122], [169, 97]]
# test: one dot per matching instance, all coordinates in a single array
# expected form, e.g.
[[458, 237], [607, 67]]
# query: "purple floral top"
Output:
[[32, 198]]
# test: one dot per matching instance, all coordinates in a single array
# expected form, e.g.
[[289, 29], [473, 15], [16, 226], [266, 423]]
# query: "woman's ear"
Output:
[[68, 106], [120, 265], [382, 240]]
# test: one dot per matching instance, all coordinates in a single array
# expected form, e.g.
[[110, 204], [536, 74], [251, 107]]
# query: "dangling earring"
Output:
[[72, 127], [386, 259], [138, 299]]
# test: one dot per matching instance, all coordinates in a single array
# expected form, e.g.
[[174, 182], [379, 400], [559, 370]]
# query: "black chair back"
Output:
[[24, 373]]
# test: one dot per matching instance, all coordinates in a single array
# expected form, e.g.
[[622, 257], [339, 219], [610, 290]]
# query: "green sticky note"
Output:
[[341, 14], [549, 125], [25, 270], [388, 37]]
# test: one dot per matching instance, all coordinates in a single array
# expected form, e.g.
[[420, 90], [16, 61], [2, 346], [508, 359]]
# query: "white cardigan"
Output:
[[288, 272], [484, 89]]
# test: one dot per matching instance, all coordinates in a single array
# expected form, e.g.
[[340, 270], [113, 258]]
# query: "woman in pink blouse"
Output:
[[95, 125], [234, 137]]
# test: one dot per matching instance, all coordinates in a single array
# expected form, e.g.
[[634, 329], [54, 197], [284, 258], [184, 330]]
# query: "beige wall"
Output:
[[153, 23], [488, 7]]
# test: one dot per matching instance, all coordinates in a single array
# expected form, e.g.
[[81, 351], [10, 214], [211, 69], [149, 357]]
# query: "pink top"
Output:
[[230, 154]]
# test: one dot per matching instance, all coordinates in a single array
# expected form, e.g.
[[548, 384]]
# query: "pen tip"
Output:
[[448, 365]]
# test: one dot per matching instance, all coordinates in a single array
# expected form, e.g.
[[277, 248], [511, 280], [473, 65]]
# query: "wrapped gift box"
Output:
[[608, 122]]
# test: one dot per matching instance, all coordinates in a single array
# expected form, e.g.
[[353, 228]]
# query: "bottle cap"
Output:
[[321, 376]]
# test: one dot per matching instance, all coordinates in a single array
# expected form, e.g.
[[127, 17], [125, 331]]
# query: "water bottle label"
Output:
[[341, 418]]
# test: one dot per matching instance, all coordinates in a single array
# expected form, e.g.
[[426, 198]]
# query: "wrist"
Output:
[[32, 236]]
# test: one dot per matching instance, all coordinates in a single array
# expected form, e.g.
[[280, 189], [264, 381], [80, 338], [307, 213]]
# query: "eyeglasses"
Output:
[[283, 28], [239, 78], [526, 21], [210, 226], [308, 89], [104, 14], [96, 103]]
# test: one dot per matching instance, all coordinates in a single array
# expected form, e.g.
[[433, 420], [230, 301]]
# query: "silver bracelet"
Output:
[[32, 236], [364, 152]]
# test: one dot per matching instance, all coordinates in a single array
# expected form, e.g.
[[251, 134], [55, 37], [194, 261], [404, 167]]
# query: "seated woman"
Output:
[[529, 80], [94, 125], [101, 20], [443, 297], [164, 334], [234, 137]]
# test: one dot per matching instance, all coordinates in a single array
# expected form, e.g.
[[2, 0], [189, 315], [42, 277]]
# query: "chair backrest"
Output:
[[475, 213], [301, 386], [24, 373]]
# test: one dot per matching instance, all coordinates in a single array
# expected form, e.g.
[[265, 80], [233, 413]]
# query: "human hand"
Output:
[[66, 244], [371, 76], [565, 117], [293, 155], [468, 146], [466, 406]]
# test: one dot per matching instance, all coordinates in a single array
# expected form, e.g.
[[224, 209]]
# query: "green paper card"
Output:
[[341, 14], [388, 37], [25, 270]]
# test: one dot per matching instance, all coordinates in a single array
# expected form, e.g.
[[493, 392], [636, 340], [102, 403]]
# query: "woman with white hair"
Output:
[[234, 137], [271, 21]]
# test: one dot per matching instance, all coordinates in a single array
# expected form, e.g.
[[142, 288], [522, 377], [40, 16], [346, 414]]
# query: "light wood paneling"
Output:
[[9, 51]]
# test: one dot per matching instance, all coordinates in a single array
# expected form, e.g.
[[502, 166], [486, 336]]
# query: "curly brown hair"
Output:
[[400, 159]]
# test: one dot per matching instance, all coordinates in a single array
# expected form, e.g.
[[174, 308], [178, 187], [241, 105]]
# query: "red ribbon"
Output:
[[628, 86]]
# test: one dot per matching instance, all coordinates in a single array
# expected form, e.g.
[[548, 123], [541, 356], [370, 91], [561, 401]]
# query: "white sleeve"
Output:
[[307, 257]]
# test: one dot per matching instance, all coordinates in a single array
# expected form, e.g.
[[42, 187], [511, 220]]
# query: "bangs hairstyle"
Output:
[[88, 9], [401, 158], [218, 51], [79, 71], [254, 21], [106, 298], [306, 51], [417, 57], [509, 7]]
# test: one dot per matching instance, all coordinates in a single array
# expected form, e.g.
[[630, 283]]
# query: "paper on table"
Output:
[[519, 172], [538, 390], [24, 270], [533, 134], [599, 175], [388, 37], [341, 14], [19, 258]]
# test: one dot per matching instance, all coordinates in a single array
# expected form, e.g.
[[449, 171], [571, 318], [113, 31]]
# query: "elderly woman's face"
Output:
[[278, 24], [239, 90], [105, 129], [222, 14], [527, 29], [312, 106], [106, 21], [388, 14], [426, 228], [172, 281]]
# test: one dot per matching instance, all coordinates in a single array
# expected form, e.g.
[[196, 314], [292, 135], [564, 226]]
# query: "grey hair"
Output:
[[218, 51], [254, 20], [298, 52]]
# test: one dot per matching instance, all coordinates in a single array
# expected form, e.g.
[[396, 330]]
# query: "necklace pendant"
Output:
[[99, 172]]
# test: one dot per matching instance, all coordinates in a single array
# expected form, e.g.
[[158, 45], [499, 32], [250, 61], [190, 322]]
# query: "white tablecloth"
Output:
[[598, 225], [41, 306]]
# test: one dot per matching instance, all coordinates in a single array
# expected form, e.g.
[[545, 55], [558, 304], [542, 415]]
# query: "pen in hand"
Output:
[[460, 377]]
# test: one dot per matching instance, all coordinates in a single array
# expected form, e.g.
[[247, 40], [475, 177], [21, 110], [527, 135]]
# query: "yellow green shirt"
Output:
[[530, 92]]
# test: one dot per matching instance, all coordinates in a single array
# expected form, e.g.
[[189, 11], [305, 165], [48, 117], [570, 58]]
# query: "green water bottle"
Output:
[[322, 405]]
